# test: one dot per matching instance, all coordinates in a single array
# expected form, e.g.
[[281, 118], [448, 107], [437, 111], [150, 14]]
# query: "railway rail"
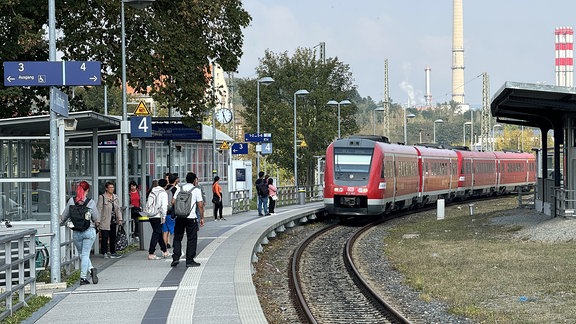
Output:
[[341, 295]]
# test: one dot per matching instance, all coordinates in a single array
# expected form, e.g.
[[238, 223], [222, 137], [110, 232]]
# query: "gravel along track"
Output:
[[272, 284], [330, 291]]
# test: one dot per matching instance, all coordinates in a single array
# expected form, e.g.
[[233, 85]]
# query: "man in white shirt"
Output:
[[191, 223]]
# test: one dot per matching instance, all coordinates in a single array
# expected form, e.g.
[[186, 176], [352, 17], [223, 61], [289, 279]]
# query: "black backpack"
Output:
[[262, 188], [80, 216]]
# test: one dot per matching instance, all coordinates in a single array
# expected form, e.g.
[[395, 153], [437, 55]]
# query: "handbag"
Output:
[[275, 197], [215, 199], [121, 239]]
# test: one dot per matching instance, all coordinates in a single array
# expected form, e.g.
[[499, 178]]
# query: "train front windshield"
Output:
[[351, 166]]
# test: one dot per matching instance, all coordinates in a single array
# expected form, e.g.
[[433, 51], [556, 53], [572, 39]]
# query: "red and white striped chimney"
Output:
[[564, 66]]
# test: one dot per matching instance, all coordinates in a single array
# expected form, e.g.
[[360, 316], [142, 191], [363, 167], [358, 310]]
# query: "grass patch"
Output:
[[480, 270], [34, 304]]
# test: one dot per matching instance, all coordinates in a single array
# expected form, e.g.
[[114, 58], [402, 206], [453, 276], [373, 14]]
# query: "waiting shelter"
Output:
[[546, 107]]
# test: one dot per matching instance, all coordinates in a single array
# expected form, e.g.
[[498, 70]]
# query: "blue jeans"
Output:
[[262, 204], [83, 242]]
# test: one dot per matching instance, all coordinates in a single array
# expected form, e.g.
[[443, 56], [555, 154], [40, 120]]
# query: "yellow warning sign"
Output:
[[224, 146], [303, 144], [141, 110]]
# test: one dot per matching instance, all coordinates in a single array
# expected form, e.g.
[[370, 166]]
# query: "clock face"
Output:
[[224, 115]]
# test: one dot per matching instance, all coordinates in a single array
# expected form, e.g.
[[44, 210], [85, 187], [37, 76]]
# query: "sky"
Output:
[[511, 40]]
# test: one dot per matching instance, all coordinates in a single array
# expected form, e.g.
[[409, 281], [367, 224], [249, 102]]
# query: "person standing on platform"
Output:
[[159, 199], [273, 194], [191, 223], [262, 196], [110, 216], [135, 207], [217, 198], [168, 226], [83, 240]]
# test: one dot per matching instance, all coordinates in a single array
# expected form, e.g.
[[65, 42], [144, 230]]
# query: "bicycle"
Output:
[[42, 259]]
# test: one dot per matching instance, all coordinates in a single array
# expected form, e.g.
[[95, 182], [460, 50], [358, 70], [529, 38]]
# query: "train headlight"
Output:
[[362, 190], [338, 190]]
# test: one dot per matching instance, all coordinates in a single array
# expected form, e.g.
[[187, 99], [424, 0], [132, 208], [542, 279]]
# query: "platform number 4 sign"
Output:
[[266, 148], [140, 126]]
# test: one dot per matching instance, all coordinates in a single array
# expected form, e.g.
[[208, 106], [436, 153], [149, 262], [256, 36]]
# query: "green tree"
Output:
[[22, 39], [167, 46], [317, 123]]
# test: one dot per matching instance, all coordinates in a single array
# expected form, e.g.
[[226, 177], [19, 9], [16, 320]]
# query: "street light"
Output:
[[436, 122], [374, 118], [264, 81], [122, 186], [464, 132], [334, 102], [297, 93], [493, 136], [406, 126]]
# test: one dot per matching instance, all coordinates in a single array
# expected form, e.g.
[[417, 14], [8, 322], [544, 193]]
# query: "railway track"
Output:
[[327, 285]]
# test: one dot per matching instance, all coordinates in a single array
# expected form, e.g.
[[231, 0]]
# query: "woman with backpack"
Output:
[[83, 239], [156, 208]]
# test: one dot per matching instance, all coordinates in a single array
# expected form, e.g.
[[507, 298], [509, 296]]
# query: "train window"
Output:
[[352, 163]]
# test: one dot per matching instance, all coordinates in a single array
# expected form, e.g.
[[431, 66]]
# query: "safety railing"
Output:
[[240, 201], [565, 202], [17, 270]]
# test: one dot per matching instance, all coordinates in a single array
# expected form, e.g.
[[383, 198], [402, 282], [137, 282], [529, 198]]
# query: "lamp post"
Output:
[[406, 125], [436, 122], [297, 93], [264, 81], [493, 136], [464, 131], [374, 118], [122, 185], [334, 102]]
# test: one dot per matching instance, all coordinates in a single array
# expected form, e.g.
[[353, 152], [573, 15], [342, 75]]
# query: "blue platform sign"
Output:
[[52, 73], [240, 148], [60, 105], [267, 148], [140, 126], [82, 73], [258, 137], [43, 74], [173, 128]]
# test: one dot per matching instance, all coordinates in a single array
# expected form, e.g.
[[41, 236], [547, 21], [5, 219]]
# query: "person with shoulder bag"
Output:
[[83, 239], [217, 198], [273, 194], [110, 217]]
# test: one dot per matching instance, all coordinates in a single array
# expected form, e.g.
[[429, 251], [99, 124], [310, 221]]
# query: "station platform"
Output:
[[133, 289]]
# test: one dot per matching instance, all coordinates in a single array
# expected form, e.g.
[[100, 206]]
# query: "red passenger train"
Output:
[[366, 175]]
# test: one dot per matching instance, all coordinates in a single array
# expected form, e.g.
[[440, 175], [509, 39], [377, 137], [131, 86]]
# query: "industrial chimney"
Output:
[[564, 67], [428, 95], [458, 53]]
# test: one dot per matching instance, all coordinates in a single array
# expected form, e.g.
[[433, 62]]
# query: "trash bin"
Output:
[[145, 232], [301, 196]]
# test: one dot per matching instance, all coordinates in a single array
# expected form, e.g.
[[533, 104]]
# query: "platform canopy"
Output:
[[40, 125], [532, 104]]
